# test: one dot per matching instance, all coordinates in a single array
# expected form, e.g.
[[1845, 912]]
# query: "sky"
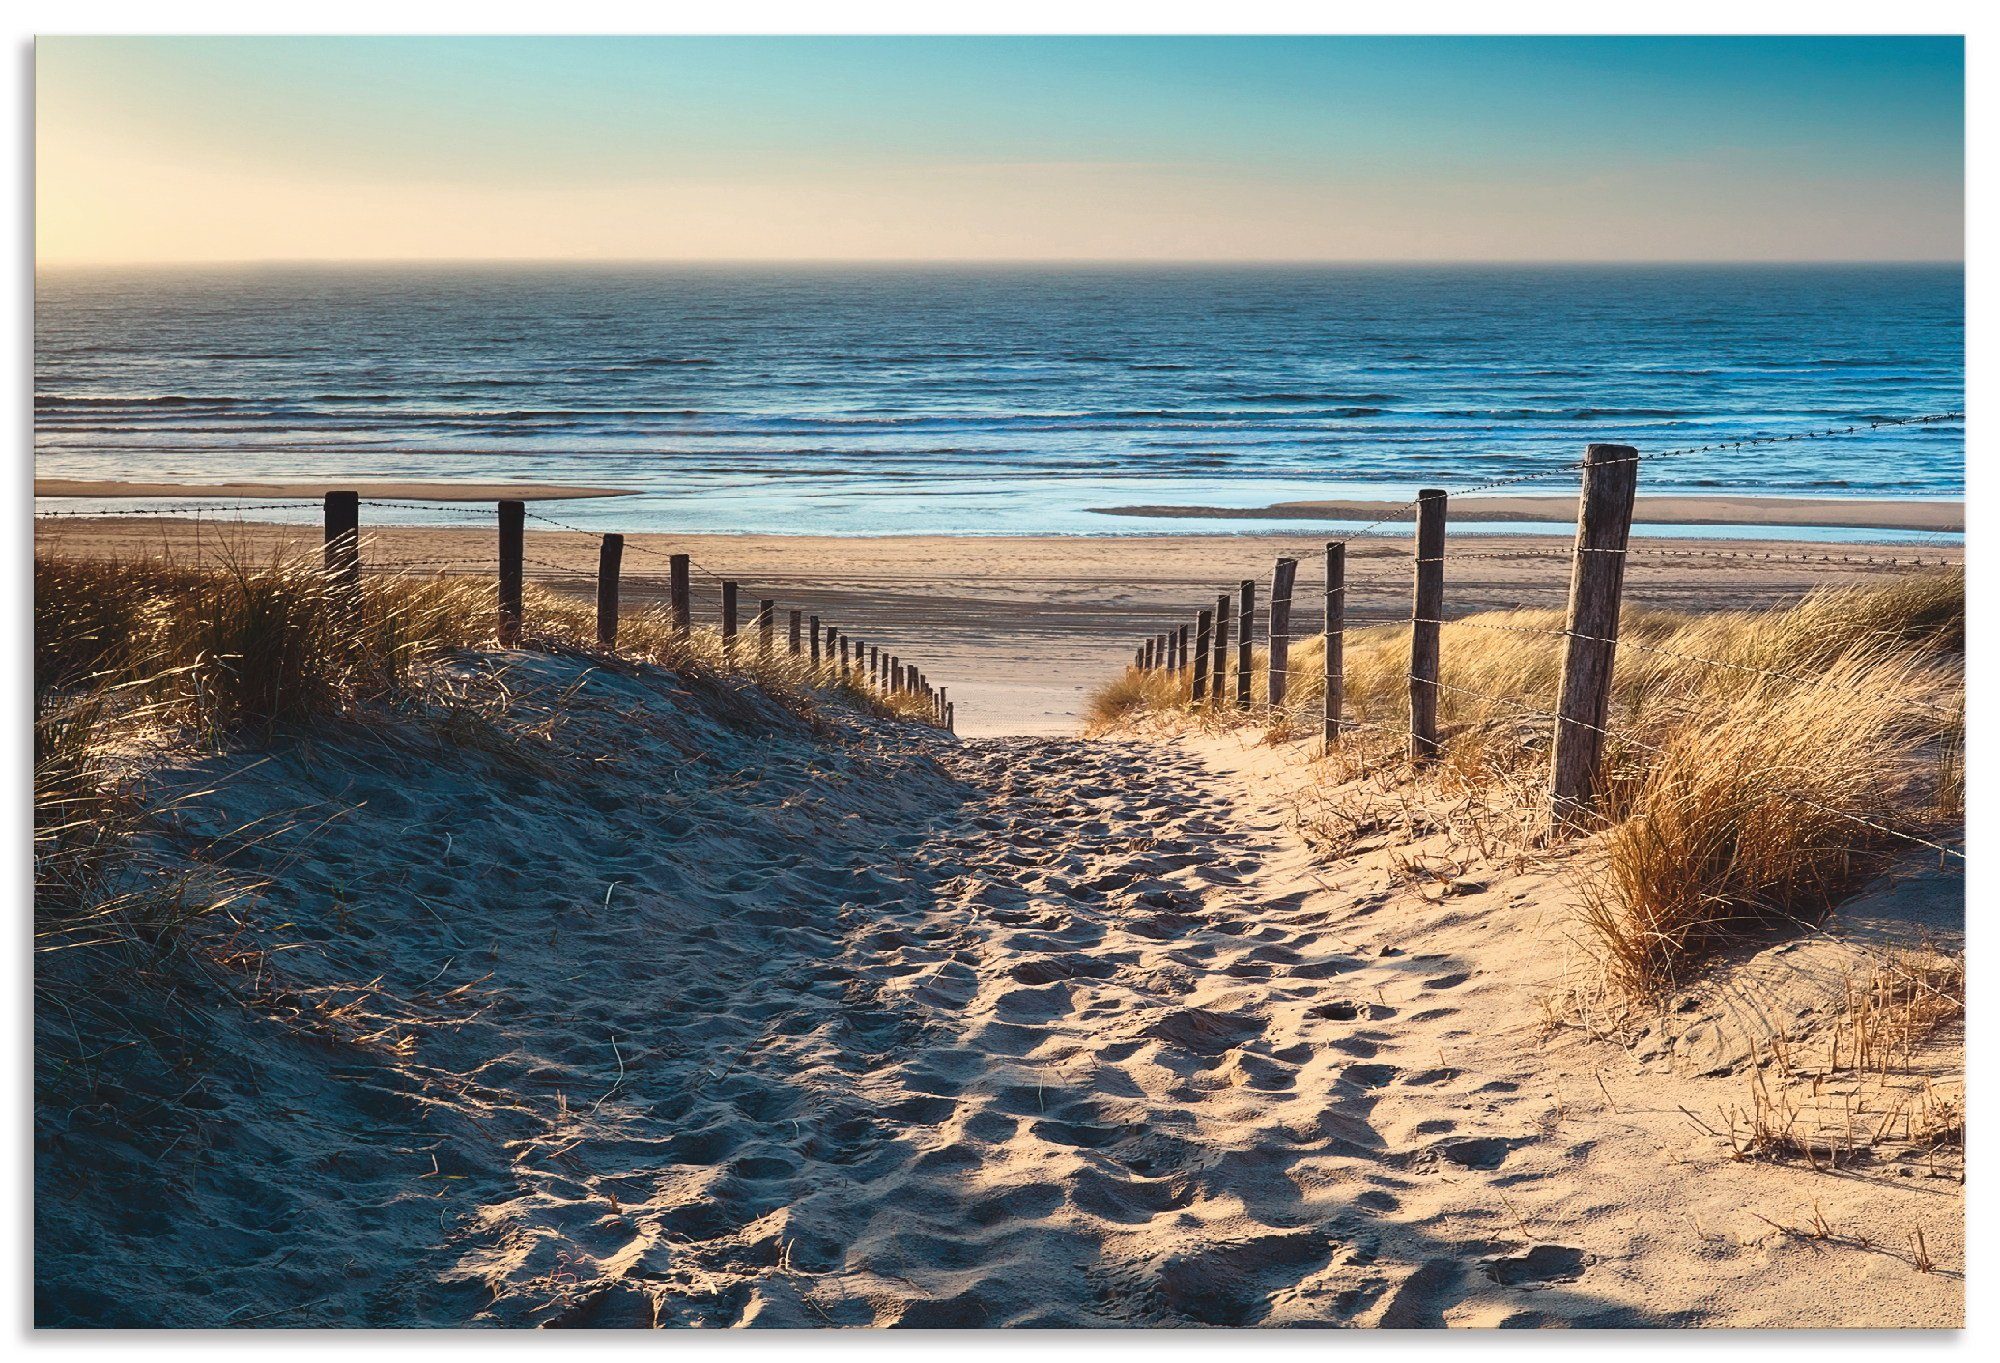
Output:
[[1141, 149]]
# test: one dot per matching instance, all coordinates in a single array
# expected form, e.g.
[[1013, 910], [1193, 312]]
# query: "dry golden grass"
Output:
[[138, 652], [1759, 763]]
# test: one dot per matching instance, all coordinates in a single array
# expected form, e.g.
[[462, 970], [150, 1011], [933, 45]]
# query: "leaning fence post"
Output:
[[513, 525], [1280, 629], [1203, 640], [796, 619], [610, 552], [1245, 618], [343, 540], [681, 595], [1597, 581], [1336, 630], [1427, 610], [728, 619], [1219, 665]]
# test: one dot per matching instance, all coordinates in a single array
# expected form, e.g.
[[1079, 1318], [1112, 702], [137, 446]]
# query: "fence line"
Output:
[[344, 565], [1581, 718]]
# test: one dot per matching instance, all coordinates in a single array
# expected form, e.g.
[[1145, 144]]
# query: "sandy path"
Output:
[[1105, 1044]]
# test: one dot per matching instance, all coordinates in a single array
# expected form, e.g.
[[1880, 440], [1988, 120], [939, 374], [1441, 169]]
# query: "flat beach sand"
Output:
[[1021, 629]]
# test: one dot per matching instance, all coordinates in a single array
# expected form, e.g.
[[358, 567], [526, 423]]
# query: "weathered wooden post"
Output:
[[1139, 657], [875, 666], [610, 554], [513, 525], [812, 633], [766, 611], [1146, 655], [1276, 679], [680, 593], [1427, 611], [951, 718], [1596, 584], [728, 620], [1219, 665], [796, 620], [846, 667], [343, 541], [1181, 650], [1203, 641], [942, 706], [1336, 639], [1245, 621]]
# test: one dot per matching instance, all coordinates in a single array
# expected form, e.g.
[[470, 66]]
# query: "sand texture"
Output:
[[676, 1010]]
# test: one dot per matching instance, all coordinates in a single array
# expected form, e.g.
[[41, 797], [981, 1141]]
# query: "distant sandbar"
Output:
[[1844, 513], [407, 492]]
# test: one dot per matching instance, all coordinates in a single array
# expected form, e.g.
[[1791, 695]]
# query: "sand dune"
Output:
[[680, 1010]]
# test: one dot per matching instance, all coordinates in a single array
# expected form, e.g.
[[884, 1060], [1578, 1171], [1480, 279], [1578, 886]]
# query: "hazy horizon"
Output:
[[1275, 150]]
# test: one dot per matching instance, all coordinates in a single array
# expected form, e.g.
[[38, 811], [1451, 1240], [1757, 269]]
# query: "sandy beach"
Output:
[[1021, 628]]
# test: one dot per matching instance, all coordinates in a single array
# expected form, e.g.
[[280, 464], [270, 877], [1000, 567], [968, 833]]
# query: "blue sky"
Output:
[[1141, 148]]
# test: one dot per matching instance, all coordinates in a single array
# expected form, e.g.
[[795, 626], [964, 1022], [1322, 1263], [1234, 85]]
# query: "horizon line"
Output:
[[1006, 261]]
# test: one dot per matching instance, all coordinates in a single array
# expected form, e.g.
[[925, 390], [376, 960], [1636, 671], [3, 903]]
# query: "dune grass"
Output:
[[132, 654], [1760, 765]]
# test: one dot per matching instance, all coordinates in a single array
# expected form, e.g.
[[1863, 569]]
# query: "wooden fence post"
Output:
[[875, 666], [766, 611], [1596, 584], [728, 620], [610, 553], [343, 541], [951, 718], [1245, 621], [813, 633], [1181, 650], [1204, 640], [681, 595], [796, 620], [1336, 640], [1219, 665], [1282, 577], [1139, 657], [1427, 610], [513, 525]]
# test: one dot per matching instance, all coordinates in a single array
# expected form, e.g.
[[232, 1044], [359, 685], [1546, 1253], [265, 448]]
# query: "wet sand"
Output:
[[1022, 629], [403, 491], [1847, 513]]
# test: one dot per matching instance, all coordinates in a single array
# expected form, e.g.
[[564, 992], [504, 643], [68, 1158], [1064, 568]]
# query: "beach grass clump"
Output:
[[1762, 812]]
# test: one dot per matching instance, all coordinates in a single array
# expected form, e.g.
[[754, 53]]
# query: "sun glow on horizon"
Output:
[[1014, 150]]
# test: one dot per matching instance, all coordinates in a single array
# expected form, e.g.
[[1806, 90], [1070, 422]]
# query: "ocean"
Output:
[[961, 400]]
